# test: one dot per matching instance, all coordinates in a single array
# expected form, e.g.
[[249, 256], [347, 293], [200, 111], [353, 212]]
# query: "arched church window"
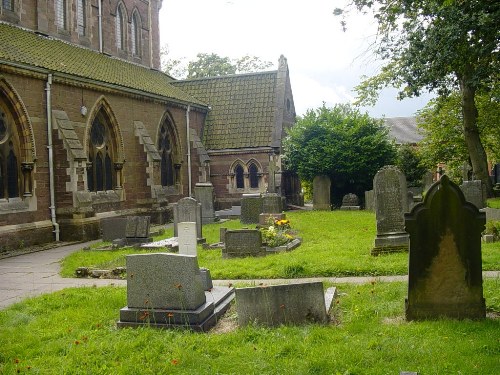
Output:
[[120, 28], [240, 180], [8, 5], [9, 163], [81, 21], [254, 177], [167, 163], [136, 35], [61, 16], [100, 170]]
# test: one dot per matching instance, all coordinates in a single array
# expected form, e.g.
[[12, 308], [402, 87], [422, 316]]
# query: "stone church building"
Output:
[[90, 128]]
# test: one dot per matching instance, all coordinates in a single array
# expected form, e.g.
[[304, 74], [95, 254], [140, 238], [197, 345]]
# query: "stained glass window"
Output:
[[240, 182], [100, 167], [254, 178], [167, 165]]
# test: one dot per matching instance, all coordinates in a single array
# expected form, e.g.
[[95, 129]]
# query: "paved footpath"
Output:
[[36, 273]]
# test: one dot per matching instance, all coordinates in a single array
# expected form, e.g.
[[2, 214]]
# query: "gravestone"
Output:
[[113, 228], [274, 305], [473, 192], [409, 201], [187, 238], [243, 243], [272, 208], [369, 201], [167, 291], [321, 193], [204, 193], [350, 202], [445, 269], [188, 210], [427, 180], [389, 188], [251, 208]]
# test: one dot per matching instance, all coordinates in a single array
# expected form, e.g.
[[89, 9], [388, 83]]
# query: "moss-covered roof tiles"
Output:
[[243, 109], [28, 48]]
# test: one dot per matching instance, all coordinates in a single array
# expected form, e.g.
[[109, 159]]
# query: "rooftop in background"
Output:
[[403, 130]]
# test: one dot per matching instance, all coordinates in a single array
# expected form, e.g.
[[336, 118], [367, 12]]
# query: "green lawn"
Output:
[[74, 332], [335, 243]]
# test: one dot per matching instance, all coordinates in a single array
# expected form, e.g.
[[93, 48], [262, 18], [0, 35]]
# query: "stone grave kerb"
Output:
[[188, 210], [445, 267]]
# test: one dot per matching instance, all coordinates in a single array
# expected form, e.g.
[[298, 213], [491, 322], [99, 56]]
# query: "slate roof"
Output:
[[242, 111], [21, 46], [403, 129]]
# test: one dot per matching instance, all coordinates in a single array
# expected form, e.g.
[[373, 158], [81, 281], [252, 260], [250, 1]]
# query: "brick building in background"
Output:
[[89, 128]]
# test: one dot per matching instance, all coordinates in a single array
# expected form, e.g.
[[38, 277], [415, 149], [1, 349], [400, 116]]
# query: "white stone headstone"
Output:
[[187, 238]]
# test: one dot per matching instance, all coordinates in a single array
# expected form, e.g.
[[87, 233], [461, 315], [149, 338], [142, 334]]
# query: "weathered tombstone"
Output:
[[321, 193], [389, 188], [243, 243], [283, 304], [369, 201], [167, 291], [136, 231], [204, 193], [187, 238], [251, 208], [188, 210], [113, 228], [350, 202], [473, 193], [427, 180], [272, 207], [444, 278]]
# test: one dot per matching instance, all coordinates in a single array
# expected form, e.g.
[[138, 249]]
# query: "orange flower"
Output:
[[174, 362], [170, 315]]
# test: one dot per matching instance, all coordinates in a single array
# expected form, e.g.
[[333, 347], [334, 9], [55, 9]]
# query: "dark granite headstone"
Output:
[[321, 193], [445, 278], [113, 228], [389, 188], [137, 230], [251, 208], [350, 202], [243, 243], [188, 210]]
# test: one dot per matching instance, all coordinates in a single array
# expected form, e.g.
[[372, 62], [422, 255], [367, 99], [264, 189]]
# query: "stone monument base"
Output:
[[391, 243], [422, 311], [201, 319]]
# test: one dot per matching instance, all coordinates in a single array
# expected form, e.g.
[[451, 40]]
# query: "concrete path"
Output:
[[36, 273]]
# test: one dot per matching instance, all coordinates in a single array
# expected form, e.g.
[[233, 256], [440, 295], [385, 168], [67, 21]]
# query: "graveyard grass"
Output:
[[74, 332], [335, 243]]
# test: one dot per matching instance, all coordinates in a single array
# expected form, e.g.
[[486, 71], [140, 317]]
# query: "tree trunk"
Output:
[[471, 132]]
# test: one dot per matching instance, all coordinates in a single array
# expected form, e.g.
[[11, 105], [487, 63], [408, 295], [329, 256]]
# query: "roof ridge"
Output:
[[237, 75]]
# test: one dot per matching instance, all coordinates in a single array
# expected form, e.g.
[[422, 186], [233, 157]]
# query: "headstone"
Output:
[[282, 304], [243, 243], [187, 238], [350, 202], [166, 291], [409, 200], [136, 231], [113, 228], [427, 180], [445, 269], [272, 208], [321, 193], [204, 193], [222, 235], [473, 193], [369, 201], [389, 188], [251, 208], [188, 210]]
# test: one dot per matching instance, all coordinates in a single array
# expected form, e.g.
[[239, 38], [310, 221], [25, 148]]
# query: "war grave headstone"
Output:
[[272, 305], [243, 243], [389, 188], [167, 291], [445, 268], [272, 207], [188, 210], [204, 193], [187, 238], [369, 201], [321, 193], [473, 192], [251, 208], [350, 202]]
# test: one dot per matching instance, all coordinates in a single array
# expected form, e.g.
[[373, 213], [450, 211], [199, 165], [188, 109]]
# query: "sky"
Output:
[[325, 63]]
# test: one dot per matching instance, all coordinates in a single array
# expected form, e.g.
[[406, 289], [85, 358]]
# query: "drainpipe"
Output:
[[99, 21], [51, 158], [188, 148]]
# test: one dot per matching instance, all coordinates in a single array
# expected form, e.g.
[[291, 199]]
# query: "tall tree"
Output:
[[438, 45], [342, 143], [210, 65]]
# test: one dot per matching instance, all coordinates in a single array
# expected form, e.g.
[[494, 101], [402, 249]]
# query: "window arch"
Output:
[[81, 14], [61, 15], [9, 156], [239, 176], [120, 27], [253, 172], [100, 172], [136, 34], [166, 150]]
